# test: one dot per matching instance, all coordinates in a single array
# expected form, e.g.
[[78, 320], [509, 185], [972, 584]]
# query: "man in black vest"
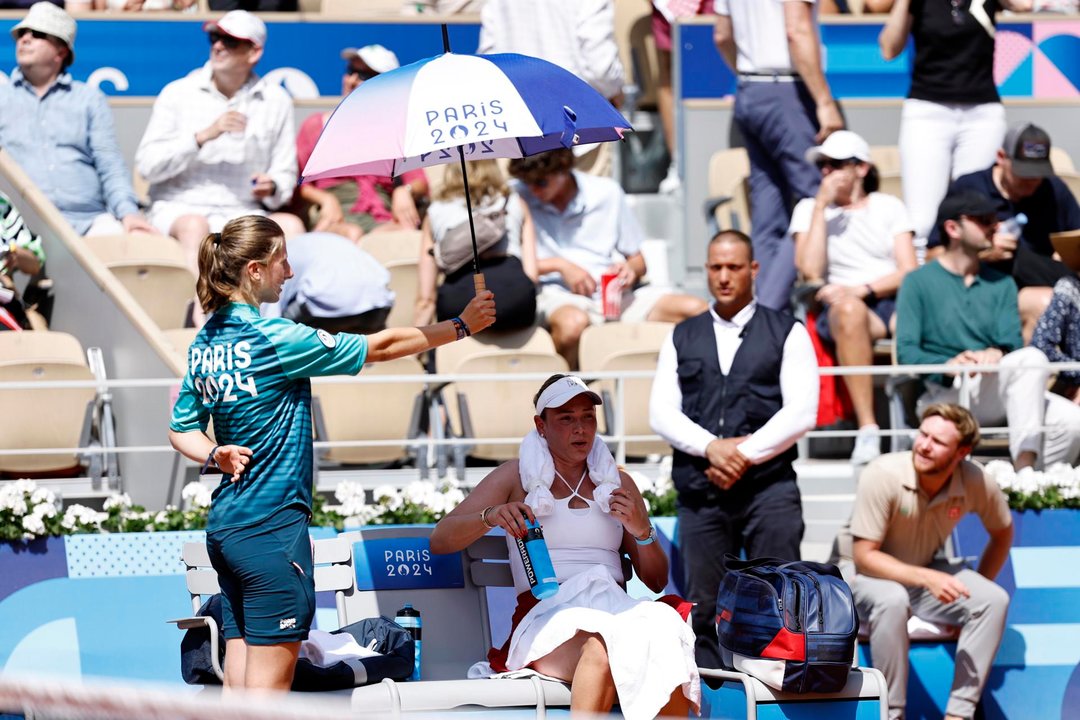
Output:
[[735, 387]]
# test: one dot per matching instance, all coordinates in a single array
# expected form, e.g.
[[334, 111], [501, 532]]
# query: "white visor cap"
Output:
[[563, 391]]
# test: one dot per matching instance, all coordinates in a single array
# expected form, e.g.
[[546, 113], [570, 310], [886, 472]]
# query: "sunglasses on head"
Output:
[[834, 164], [362, 73], [37, 34], [228, 41]]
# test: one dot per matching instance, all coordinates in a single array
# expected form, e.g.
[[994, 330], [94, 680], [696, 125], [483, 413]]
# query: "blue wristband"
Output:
[[210, 461], [649, 540]]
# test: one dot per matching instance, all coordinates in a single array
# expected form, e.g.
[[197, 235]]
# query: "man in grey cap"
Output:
[[61, 131], [1023, 187], [958, 311]]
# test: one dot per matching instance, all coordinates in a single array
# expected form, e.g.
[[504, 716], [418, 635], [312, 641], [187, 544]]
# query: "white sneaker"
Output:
[[867, 445], [670, 184]]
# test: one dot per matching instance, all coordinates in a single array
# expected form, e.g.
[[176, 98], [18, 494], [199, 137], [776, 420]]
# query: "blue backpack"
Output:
[[792, 625]]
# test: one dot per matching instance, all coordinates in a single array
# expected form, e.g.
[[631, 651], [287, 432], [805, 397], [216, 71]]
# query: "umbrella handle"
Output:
[[478, 283]]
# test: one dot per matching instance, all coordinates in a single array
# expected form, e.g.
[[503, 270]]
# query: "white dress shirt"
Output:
[[218, 174], [760, 34], [798, 390], [577, 35]]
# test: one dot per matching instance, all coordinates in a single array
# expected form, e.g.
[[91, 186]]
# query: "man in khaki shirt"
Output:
[[906, 506]]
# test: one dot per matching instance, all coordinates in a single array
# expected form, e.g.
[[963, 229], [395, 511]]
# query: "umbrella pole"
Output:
[[478, 278]]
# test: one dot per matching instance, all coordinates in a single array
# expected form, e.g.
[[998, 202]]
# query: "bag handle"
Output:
[[731, 562]]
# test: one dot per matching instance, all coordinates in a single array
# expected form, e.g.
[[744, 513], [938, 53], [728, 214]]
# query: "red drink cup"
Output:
[[611, 295]]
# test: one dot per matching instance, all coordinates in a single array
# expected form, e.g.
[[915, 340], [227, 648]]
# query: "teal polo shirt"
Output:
[[938, 316], [250, 374]]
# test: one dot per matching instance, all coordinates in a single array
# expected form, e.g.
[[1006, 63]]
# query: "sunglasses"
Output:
[[229, 42], [37, 34], [363, 74], [834, 164]]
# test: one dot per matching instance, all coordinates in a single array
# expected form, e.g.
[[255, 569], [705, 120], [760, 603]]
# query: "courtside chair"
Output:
[[458, 594], [615, 347], [52, 418], [366, 411], [728, 205], [153, 269]]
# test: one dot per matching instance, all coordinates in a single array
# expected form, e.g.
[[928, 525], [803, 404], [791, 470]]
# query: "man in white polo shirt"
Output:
[[783, 106], [584, 230], [906, 506]]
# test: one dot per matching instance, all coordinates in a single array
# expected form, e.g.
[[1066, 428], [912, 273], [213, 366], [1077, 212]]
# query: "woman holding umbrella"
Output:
[[250, 375]]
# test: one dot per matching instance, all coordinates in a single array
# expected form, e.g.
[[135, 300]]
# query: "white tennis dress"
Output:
[[650, 646]]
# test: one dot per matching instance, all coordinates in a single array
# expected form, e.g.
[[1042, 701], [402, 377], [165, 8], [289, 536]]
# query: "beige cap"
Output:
[[51, 20]]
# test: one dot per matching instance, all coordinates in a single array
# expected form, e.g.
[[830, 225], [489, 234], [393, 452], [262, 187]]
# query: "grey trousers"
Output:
[[886, 606]]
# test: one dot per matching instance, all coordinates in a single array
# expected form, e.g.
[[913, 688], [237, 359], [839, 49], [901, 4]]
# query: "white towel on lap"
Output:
[[646, 665]]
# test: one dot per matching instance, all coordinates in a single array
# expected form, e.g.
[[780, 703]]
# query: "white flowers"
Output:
[[1057, 486], [25, 510], [121, 501], [196, 495], [80, 517]]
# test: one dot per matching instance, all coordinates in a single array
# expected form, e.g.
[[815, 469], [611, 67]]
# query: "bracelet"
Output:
[[483, 517], [210, 460], [461, 328], [649, 539]]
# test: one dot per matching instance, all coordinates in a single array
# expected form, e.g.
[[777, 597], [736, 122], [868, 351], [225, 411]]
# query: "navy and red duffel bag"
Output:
[[792, 625]]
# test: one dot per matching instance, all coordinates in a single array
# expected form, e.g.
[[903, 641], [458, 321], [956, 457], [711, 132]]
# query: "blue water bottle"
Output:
[[408, 617], [537, 561]]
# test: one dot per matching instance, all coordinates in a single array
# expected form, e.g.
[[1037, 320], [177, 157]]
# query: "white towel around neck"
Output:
[[537, 471]]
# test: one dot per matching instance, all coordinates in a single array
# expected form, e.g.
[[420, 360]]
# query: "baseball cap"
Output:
[[375, 57], [51, 20], [563, 391], [239, 24], [1028, 146], [841, 145], [965, 202]]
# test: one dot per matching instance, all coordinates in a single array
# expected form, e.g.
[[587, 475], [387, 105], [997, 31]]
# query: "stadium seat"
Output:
[[728, 205], [623, 347], [59, 418], [180, 340], [391, 245], [1061, 160], [153, 269], [886, 158], [478, 410], [890, 184], [637, 50], [344, 412], [399, 252]]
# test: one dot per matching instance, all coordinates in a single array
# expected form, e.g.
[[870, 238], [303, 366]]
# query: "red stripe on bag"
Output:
[[725, 615], [786, 646]]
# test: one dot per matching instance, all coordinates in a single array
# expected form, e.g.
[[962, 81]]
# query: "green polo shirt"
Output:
[[891, 507], [938, 316], [250, 374]]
